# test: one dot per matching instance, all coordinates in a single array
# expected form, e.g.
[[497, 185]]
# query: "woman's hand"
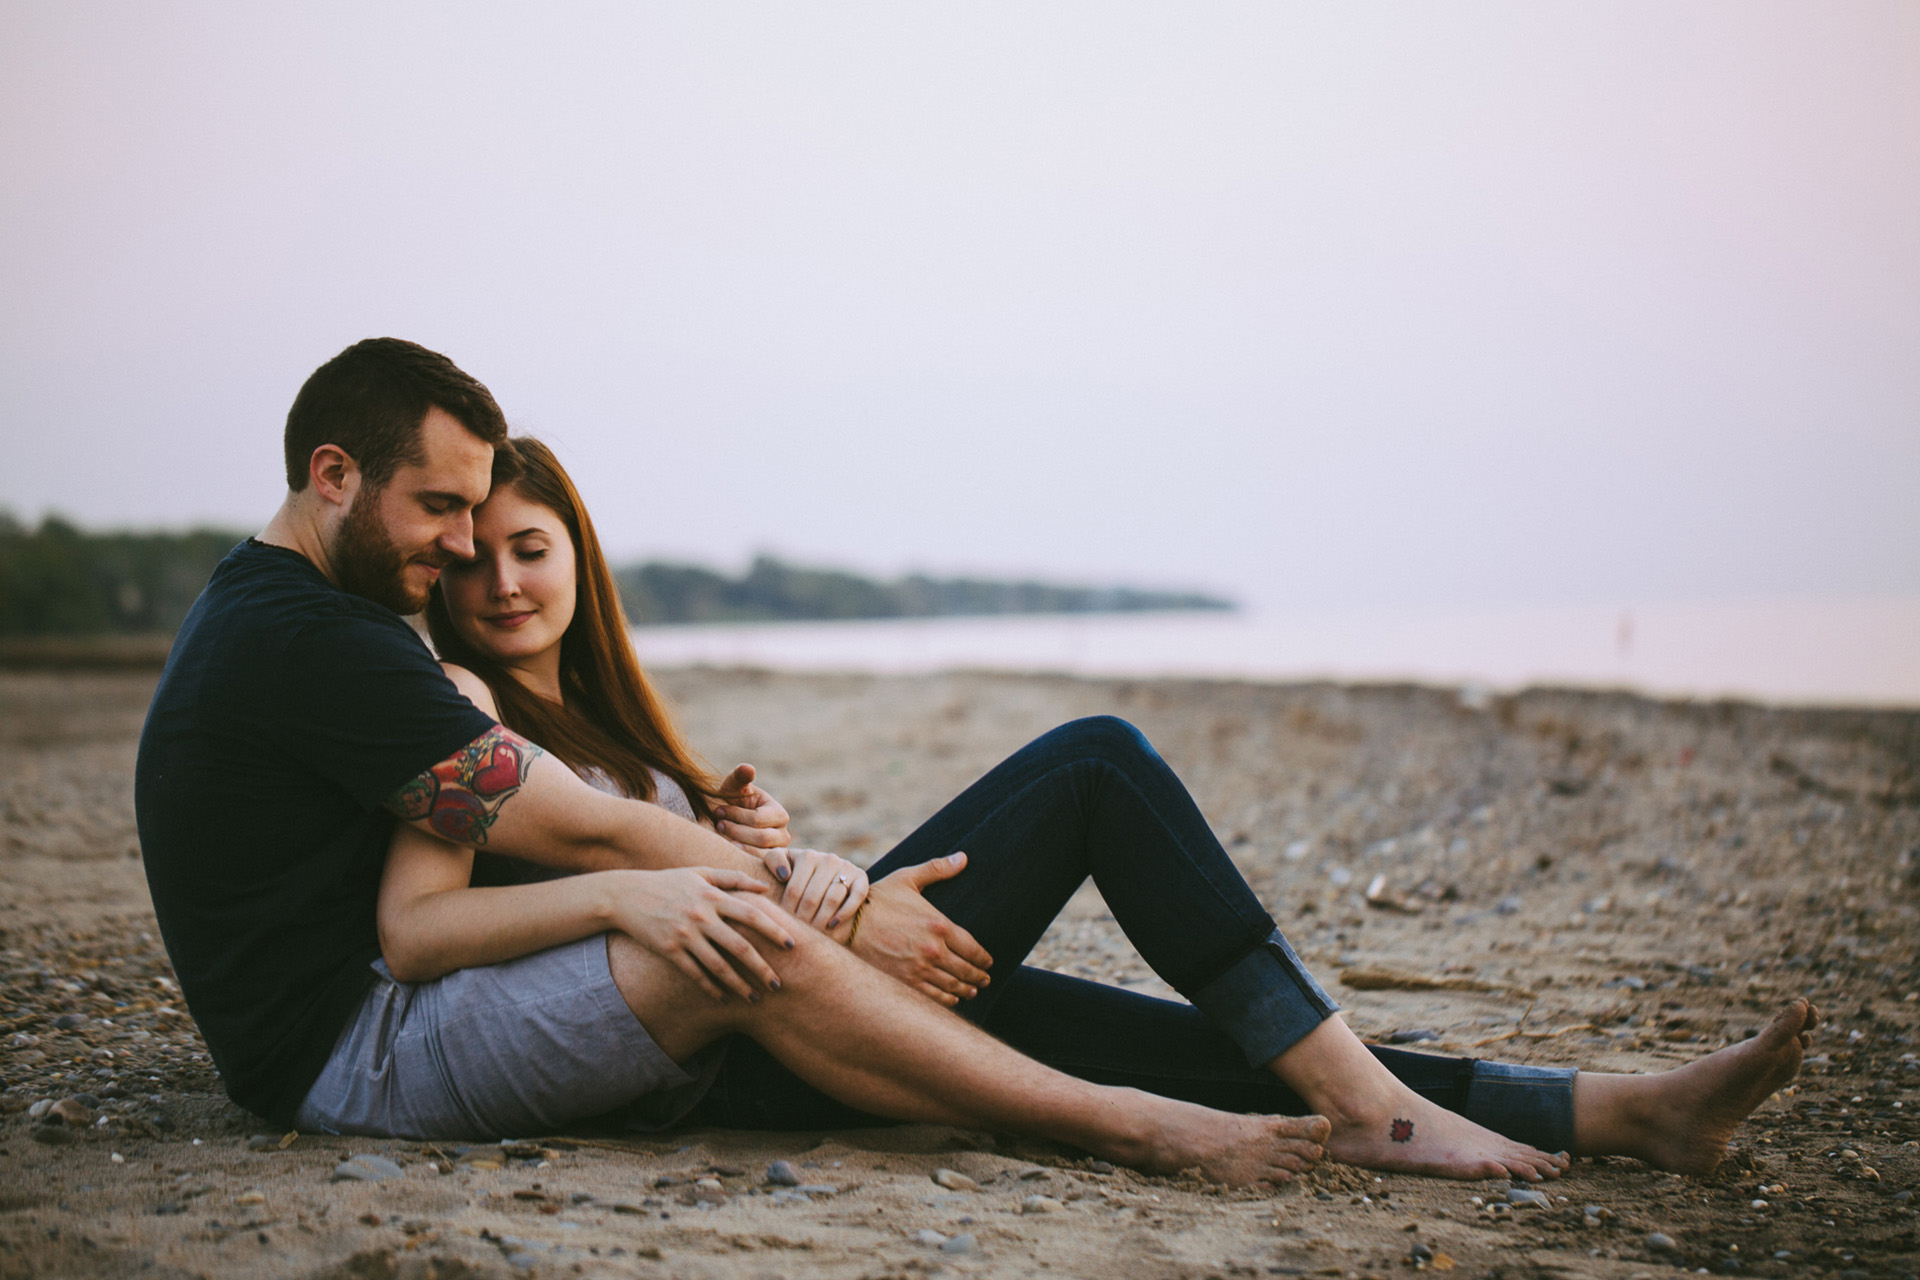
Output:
[[905, 935], [752, 819], [688, 915], [823, 889]]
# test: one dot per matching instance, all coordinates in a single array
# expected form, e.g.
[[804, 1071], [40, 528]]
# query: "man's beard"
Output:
[[369, 564]]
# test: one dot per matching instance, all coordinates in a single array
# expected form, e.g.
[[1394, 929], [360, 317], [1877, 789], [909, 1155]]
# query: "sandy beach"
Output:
[[1571, 878]]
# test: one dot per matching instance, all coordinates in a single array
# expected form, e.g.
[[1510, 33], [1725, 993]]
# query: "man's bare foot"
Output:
[[1238, 1150], [1379, 1123], [1682, 1120], [1390, 1127]]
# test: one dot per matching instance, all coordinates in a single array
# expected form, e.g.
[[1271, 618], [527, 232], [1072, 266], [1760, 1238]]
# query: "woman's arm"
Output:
[[431, 922]]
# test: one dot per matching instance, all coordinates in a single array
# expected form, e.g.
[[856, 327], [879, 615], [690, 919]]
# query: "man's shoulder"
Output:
[[266, 592]]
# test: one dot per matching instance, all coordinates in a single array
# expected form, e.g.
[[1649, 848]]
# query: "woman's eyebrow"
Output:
[[527, 533]]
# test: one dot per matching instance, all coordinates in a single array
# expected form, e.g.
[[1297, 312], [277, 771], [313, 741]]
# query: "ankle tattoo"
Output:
[[1401, 1131]]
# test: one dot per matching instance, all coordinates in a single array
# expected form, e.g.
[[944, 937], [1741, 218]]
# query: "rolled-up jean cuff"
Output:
[[1266, 1002], [1533, 1105]]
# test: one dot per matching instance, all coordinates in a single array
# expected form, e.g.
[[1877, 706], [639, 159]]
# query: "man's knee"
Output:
[[1107, 738]]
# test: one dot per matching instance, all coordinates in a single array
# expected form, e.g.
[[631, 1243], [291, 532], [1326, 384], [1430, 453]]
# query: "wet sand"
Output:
[[1600, 880]]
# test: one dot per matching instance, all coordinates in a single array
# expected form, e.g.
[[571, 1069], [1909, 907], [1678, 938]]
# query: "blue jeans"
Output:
[[1093, 798]]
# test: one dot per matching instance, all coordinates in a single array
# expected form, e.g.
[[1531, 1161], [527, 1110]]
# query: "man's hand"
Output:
[[905, 935], [688, 915], [754, 820]]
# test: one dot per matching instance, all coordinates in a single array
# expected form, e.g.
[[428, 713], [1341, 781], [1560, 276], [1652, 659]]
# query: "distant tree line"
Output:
[[771, 589], [58, 580]]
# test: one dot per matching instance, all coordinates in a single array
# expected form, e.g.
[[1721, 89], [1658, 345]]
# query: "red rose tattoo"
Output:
[[461, 796], [1401, 1131]]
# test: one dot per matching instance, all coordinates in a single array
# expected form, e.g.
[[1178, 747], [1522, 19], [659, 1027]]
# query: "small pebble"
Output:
[[954, 1181], [117, 1158], [1902, 1197], [962, 1243], [39, 1108], [72, 1111], [1661, 1242], [249, 1197], [1524, 1196], [1100, 1166], [1416, 1035], [782, 1174], [22, 1040], [1420, 1252], [1040, 1204], [68, 1021], [932, 1239], [366, 1168], [54, 1135]]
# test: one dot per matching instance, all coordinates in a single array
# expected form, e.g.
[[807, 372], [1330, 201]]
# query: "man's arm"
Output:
[[499, 793]]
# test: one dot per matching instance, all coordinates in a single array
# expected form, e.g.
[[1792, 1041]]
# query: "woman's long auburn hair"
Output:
[[612, 719]]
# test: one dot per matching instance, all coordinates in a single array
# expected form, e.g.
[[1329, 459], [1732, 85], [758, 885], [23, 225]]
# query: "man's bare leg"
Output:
[[856, 1034], [1682, 1120], [1379, 1123]]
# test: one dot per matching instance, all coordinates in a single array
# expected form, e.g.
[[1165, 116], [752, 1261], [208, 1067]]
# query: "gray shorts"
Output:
[[508, 1050]]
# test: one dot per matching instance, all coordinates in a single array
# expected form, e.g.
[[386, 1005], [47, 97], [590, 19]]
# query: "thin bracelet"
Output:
[[858, 911]]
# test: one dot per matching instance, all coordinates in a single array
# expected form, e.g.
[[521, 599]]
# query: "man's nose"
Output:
[[457, 541]]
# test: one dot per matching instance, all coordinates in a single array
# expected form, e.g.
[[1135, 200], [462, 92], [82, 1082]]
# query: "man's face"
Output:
[[396, 538]]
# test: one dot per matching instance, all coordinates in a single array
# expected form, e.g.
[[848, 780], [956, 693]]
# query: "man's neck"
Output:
[[294, 528]]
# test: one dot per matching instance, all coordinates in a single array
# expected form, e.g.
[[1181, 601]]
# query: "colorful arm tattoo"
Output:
[[461, 796]]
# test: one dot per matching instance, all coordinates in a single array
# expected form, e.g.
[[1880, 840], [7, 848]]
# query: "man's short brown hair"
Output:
[[371, 401]]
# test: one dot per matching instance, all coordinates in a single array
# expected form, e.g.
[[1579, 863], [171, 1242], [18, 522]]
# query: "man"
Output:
[[299, 717]]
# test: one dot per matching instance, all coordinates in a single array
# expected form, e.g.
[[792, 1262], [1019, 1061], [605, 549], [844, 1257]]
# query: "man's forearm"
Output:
[[502, 793]]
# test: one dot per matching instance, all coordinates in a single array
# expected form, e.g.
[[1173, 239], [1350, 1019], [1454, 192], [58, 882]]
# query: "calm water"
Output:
[[1855, 652]]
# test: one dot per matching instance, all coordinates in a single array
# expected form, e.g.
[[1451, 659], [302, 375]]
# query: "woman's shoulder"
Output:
[[472, 686]]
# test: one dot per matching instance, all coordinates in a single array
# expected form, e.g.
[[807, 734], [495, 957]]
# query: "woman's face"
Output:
[[514, 599]]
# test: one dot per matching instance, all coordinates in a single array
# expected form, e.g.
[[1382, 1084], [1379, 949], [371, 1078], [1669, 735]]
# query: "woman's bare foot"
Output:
[[1682, 1120], [1238, 1150], [1379, 1123]]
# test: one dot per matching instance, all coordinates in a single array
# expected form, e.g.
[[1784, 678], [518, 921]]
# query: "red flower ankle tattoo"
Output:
[[1402, 1131]]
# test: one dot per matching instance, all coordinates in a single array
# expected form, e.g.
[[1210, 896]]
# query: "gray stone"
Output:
[[1508, 906], [1100, 1166], [1415, 1035], [954, 1181], [782, 1174], [1420, 1252], [523, 1261], [1661, 1242], [962, 1243], [1902, 1197], [931, 1239], [68, 1021], [1040, 1204], [1525, 1197], [366, 1168], [39, 1108]]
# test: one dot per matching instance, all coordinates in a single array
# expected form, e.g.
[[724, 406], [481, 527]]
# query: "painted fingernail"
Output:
[[775, 984], [789, 944], [781, 874], [753, 998]]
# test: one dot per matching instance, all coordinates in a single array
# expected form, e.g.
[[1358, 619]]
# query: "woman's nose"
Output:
[[504, 586]]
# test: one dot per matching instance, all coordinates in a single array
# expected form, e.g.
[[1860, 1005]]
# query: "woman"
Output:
[[532, 632]]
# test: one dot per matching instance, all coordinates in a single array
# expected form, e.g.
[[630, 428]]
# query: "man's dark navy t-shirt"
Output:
[[288, 712]]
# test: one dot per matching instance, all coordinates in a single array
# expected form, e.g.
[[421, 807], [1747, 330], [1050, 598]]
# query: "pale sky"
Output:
[[1321, 305]]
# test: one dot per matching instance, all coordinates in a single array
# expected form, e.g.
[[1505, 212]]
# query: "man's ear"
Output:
[[333, 473]]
